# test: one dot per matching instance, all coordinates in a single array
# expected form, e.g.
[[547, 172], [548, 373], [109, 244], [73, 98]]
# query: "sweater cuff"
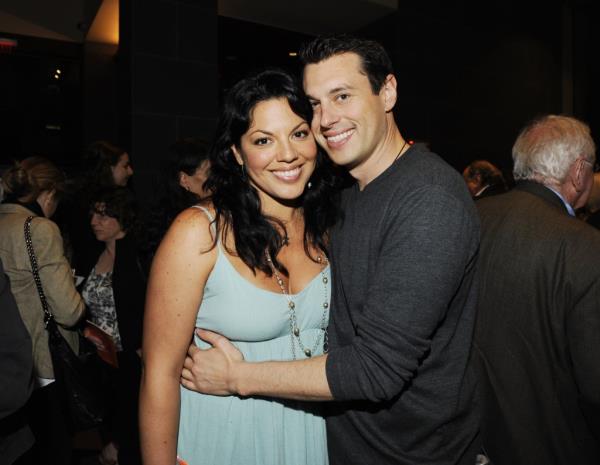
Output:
[[337, 373]]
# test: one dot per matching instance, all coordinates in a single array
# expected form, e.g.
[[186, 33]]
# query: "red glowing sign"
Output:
[[7, 45]]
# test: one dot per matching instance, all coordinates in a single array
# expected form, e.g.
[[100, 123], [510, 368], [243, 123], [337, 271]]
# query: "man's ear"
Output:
[[578, 177], [389, 91], [237, 155]]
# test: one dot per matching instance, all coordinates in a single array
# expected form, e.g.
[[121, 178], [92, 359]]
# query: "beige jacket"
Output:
[[65, 302]]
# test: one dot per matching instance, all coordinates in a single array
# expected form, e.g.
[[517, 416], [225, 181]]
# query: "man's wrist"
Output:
[[236, 382]]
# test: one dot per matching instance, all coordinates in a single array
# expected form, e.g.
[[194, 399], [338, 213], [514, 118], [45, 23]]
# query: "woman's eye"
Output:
[[261, 141], [303, 134]]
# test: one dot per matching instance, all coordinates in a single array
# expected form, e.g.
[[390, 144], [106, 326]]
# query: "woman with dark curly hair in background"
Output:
[[104, 166], [114, 292]]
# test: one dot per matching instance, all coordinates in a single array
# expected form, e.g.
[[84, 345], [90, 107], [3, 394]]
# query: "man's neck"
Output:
[[392, 147]]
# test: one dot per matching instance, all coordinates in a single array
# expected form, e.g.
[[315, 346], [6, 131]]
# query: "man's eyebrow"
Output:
[[335, 90]]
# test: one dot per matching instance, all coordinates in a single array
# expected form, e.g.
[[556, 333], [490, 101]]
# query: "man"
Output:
[[16, 375], [537, 339], [403, 296], [483, 179]]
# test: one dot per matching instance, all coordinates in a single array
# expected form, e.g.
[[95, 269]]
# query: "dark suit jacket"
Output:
[[492, 189], [537, 339], [16, 371]]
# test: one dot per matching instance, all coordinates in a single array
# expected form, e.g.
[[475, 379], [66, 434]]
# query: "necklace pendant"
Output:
[[308, 352]]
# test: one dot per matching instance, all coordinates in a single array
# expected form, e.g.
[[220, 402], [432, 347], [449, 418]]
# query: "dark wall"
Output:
[[471, 74], [586, 69], [100, 91], [245, 47], [168, 86], [39, 114]]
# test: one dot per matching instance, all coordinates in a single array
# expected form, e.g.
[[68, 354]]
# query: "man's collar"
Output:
[[481, 191], [546, 193], [567, 204]]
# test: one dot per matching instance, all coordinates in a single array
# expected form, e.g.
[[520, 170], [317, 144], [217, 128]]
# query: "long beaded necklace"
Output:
[[294, 329]]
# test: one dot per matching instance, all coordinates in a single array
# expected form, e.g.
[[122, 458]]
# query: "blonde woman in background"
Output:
[[33, 187]]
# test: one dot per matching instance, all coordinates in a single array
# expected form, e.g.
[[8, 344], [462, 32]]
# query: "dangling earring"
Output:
[[309, 185]]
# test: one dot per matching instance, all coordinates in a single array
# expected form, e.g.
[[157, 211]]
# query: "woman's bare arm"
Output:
[[179, 272]]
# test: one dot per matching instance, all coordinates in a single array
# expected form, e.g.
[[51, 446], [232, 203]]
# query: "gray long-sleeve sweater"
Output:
[[402, 318]]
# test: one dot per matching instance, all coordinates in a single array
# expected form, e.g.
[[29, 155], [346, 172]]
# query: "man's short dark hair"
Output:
[[489, 174], [375, 61]]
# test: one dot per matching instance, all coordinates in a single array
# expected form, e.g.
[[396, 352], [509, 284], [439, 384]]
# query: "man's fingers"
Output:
[[222, 343], [192, 349], [188, 362], [187, 384], [213, 339], [186, 374]]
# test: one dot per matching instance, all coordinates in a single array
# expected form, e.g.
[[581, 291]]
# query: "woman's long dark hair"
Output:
[[237, 203], [185, 155], [98, 159]]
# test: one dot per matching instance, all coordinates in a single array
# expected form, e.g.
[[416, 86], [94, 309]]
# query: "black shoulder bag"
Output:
[[80, 378]]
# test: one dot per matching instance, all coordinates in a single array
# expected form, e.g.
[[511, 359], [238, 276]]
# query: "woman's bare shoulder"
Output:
[[191, 227]]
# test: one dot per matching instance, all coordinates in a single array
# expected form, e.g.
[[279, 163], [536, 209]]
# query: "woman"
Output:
[[114, 292], [272, 204], [33, 188], [179, 185], [105, 166]]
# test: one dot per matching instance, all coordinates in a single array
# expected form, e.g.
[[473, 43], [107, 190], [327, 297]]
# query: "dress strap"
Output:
[[213, 226]]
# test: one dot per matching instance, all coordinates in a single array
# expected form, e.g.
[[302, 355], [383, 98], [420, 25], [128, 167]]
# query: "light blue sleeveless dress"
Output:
[[254, 431]]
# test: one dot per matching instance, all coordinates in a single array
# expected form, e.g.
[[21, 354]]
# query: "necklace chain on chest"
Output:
[[294, 329]]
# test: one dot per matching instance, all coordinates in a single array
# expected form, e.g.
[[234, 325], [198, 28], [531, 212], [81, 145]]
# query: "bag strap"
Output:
[[36, 273]]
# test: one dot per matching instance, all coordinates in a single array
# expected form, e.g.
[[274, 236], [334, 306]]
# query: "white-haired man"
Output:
[[537, 338]]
